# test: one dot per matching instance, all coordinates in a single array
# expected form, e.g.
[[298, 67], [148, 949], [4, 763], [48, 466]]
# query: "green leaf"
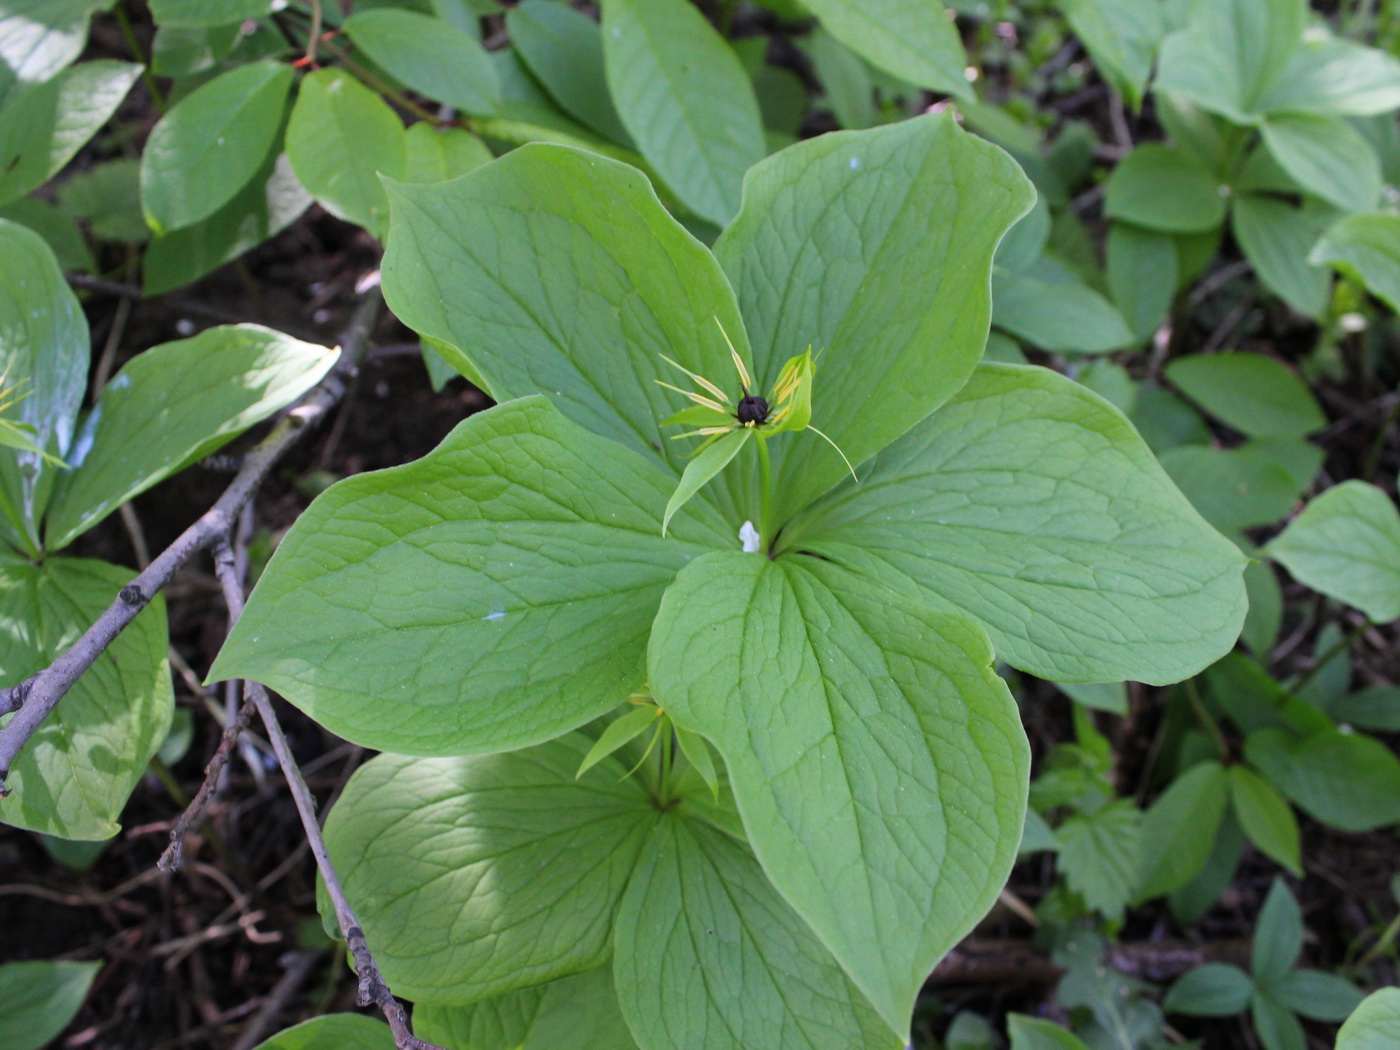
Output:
[[1199, 895], [564, 50], [494, 594], [1275, 1024], [44, 357], [1266, 818], [1233, 488], [182, 51], [1257, 395], [914, 41], [1328, 157], [1278, 934], [271, 202], [1317, 995], [1099, 855], [201, 13], [685, 99], [73, 778], [172, 406], [1367, 248], [579, 1012], [333, 1032], [1029, 1033], [39, 999], [558, 272], [626, 728], [1059, 315], [108, 196], [1122, 38], [1346, 545], [1375, 1025], [1345, 780], [1142, 277], [1375, 708], [341, 137], [845, 79], [477, 876], [915, 211], [211, 144], [1276, 238], [57, 228], [1212, 990], [697, 753], [42, 128], [40, 37], [886, 804], [1165, 188], [700, 470], [700, 905], [1179, 829], [430, 56], [1336, 78], [1032, 505]]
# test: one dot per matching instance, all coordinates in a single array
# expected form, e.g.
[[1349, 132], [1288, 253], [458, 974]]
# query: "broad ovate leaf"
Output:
[[1166, 188], [477, 876], [1375, 1025], [1052, 308], [1367, 247], [1276, 238], [1031, 504], [1328, 157], [1335, 78], [877, 761], [1346, 545], [1122, 37], [1346, 780], [913, 40], [496, 593], [1257, 395], [1178, 829], [211, 144], [751, 972], [174, 405], [685, 99], [874, 248], [73, 778], [38, 999], [564, 50], [430, 56], [555, 271], [333, 1032]]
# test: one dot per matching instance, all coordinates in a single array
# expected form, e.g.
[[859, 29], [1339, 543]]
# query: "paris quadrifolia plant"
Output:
[[830, 776]]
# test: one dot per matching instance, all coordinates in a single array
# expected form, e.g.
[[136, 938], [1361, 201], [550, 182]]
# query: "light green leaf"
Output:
[[206, 12], [1030, 1033], [1328, 157], [1122, 38], [43, 356], [172, 406], [73, 778], [211, 144], [1059, 315], [43, 127], [477, 876], [1101, 696], [686, 100], [1346, 545], [1257, 395], [430, 56], [913, 40], [700, 906], [845, 80], [1335, 78], [1276, 238], [619, 732], [40, 37], [1179, 829], [1345, 780], [1234, 488], [558, 272], [1032, 505], [1266, 818], [1366, 247], [1193, 128], [886, 804], [271, 202], [580, 1013], [508, 578], [1142, 276], [1099, 855], [1165, 188], [1317, 995], [700, 470], [914, 212], [564, 50], [341, 137], [39, 999], [1212, 990], [1375, 1025], [1275, 1024], [1278, 934], [333, 1032], [697, 753]]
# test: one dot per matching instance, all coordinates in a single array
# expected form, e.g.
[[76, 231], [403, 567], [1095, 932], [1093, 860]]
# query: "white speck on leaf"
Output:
[[749, 537], [855, 163]]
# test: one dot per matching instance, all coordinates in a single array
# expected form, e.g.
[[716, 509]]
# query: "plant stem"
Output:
[[765, 497], [1198, 705], [147, 77]]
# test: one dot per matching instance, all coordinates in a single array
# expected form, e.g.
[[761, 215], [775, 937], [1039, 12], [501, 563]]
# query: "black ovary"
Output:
[[752, 409]]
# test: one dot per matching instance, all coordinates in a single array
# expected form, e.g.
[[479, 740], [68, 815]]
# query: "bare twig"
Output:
[[174, 854], [297, 966], [33, 699]]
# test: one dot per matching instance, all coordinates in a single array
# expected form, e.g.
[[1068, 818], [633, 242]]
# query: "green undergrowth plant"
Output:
[[482, 614]]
